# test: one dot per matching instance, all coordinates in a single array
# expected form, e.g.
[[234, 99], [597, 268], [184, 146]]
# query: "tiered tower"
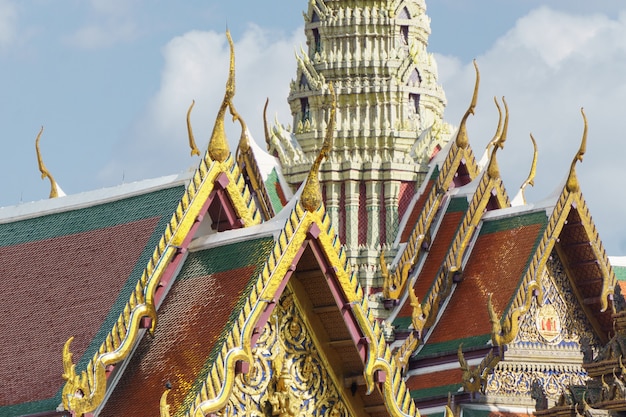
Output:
[[389, 117]]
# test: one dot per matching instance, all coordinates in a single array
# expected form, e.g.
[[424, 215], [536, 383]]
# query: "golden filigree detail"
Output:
[[44, 171], [462, 140], [192, 142], [492, 170], [312, 193], [403, 354], [502, 334], [572, 184], [474, 379], [533, 170], [218, 145]]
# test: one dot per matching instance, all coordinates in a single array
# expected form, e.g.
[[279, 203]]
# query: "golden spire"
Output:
[[312, 194], [218, 145], [265, 126], [533, 169], [492, 170], [498, 133], [572, 184], [192, 142], [461, 137], [42, 168]]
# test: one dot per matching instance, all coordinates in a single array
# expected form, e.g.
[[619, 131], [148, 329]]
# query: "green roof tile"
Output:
[[272, 192], [435, 392], [508, 223], [437, 349]]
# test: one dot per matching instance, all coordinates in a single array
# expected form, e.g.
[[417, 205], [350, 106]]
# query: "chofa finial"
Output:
[[218, 145], [492, 170], [192, 142], [533, 170], [44, 171], [312, 193], [462, 140], [265, 125], [572, 184]]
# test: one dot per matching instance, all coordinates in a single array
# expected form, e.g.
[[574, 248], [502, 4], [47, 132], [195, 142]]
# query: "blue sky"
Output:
[[111, 81]]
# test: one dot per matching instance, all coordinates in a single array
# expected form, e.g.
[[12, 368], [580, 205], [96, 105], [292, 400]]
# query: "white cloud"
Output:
[[8, 22], [111, 22], [102, 35], [548, 66], [196, 67]]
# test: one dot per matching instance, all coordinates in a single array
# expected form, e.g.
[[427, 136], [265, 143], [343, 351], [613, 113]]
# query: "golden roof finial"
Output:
[[572, 184], [498, 133], [42, 168], [265, 126], [461, 138], [492, 170], [192, 142], [312, 194], [218, 145], [533, 169]]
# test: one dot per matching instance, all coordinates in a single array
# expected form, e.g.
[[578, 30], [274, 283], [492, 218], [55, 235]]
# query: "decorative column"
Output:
[[352, 215], [392, 191], [373, 213]]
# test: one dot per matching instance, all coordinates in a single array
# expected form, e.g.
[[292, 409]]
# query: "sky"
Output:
[[111, 81]]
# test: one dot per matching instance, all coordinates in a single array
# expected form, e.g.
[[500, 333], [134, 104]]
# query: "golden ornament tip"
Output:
[[462, 140], [572, 184], [265, 125], [493, 170], [496, 136], [192, 142], [312, 194], [533, 170], [218, 145], [42, 168]]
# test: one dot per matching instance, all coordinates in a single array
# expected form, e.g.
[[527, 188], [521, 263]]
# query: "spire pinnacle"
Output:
[[312, 193], [218, 145], [572, 184], [42, 168], [461, 138]]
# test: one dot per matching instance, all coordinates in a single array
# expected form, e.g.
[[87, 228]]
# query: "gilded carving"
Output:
[[288, 377]]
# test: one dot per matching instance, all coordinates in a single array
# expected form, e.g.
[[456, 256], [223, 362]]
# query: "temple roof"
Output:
[[68, 272]]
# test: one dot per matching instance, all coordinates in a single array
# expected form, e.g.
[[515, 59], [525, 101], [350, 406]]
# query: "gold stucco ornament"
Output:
[[312, 193]]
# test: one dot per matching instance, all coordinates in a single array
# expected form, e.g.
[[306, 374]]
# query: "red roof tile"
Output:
[[497, 263], [435, 258], [434, 379]]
